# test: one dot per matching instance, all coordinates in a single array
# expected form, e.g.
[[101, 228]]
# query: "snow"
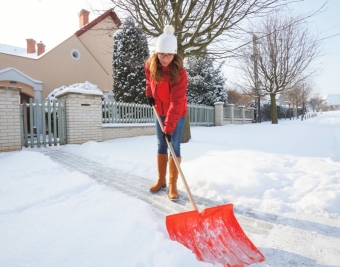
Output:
[[128, 63], [82, 88], [51, 216], [333, 99], [17, 51]]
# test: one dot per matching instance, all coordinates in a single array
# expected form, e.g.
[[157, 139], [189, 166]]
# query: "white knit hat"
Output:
[[167, 41]]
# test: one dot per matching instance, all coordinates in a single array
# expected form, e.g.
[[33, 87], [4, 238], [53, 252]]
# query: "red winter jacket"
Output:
[[170, 98]]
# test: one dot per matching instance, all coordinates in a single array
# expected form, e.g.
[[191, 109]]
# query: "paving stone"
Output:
[[137, 187]]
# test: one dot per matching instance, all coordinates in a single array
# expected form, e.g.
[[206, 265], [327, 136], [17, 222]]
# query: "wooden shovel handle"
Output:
[[176, 161]]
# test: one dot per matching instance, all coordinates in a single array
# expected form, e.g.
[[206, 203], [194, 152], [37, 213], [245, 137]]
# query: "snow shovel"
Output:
[[214, 234]]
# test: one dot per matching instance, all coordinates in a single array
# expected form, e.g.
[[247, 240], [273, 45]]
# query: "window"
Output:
[[75, 54]]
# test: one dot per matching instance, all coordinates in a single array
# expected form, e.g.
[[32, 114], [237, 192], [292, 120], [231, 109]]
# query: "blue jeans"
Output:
[[176, 137]]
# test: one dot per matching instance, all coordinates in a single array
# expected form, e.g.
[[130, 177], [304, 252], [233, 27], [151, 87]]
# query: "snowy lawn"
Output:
[[50, 216]]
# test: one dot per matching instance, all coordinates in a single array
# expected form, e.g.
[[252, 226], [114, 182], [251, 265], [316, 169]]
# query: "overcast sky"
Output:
[[53, 21]]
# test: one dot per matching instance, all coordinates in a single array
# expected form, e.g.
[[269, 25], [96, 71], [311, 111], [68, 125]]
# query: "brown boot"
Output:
[[173, 173], [162, 161]]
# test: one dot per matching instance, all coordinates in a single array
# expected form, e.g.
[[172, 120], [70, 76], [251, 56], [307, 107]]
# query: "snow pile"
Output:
[[282, 179], [50, 216], [84, 88]]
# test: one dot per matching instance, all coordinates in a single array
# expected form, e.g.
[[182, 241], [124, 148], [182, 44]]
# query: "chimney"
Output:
[[30, 45], [41, 48], [83, 18]]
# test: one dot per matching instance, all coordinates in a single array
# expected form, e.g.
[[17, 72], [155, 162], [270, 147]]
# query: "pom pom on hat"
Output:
[[167, 42], [168, 29]]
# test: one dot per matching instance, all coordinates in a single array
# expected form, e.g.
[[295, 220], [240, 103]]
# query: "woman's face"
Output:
[[165, 59]]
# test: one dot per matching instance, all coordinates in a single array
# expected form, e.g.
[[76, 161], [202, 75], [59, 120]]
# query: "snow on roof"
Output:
[[84, 88], [333, 99], [16, 51]]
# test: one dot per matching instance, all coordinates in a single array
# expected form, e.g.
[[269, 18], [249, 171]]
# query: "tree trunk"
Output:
[[186, 136], [273, 109], [296, 111]]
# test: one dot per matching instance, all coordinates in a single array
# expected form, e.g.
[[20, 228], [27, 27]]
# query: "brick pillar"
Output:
[[10, 134], [83, 18], [218, 113], [83, 116], [30, 45], [41, 48]]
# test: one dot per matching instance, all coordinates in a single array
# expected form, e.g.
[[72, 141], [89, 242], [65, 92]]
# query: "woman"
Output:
[[166, 86]]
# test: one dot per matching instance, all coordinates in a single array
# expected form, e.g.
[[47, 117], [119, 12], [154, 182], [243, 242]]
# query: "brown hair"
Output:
[[156, 71]]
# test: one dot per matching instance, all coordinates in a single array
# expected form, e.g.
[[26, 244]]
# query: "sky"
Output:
[[53, 21], [282, 179], [327, 26]]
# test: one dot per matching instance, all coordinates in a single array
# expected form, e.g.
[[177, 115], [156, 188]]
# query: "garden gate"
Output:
[[42, 123]]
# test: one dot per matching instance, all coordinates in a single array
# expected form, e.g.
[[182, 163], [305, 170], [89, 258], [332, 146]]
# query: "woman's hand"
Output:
[[167, 137], [151, 101]]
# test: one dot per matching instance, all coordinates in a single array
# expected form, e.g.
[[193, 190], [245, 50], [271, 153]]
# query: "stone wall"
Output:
[[10, 136], [122, 131]]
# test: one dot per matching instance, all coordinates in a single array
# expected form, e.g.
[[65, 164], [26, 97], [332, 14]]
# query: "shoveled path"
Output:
[[138, 187], [257, 225]]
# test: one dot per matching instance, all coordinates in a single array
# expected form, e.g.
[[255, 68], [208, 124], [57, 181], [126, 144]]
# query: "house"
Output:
[[333, 101], [84, 56]]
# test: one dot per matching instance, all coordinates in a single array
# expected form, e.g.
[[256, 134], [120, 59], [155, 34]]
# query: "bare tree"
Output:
[[298, 95], [292, 98], [325, 106], [233, 97], [198, 23], [315, 101], [238, 99], [245, 100], [286, 50]]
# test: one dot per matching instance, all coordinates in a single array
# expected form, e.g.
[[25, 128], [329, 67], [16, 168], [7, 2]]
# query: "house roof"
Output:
[[17, 51], [13, 74], [108, 13], [333, 99]]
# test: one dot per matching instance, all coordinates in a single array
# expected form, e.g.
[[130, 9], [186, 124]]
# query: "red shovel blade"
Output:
[[214, 235]]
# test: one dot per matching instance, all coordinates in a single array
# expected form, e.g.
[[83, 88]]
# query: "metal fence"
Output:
[[227, 112], [247, 113], [42, 123], [119, 112], [201, 115], [237, 113]]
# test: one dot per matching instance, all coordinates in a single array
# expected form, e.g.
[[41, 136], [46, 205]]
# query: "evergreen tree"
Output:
[[129, 55], [206, 83]]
